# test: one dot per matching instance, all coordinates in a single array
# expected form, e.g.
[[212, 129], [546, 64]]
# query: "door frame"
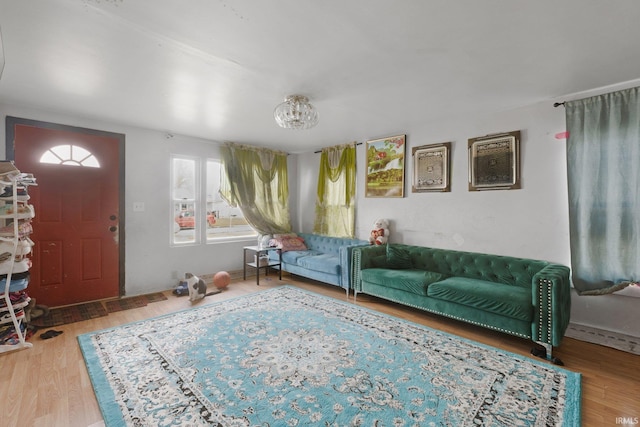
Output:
[[11, 122]]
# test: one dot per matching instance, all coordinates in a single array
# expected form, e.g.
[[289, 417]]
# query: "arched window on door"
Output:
[[70, 155]]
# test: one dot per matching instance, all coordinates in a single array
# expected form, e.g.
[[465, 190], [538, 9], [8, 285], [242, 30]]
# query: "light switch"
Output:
[[138, 206]]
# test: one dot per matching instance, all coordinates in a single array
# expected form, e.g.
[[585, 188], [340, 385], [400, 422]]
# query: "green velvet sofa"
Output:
[[523, 297]]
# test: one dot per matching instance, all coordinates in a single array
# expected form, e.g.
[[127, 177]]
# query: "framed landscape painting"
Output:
[[431, 168], [494, 162], [385, 167]]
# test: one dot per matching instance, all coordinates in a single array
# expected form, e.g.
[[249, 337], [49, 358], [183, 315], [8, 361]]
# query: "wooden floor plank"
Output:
[[48, 385]]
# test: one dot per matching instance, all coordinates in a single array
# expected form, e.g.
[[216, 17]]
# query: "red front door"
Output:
[[75, 230]]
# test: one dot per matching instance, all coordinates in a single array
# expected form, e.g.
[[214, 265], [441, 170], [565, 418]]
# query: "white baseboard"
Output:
[[615, 340]]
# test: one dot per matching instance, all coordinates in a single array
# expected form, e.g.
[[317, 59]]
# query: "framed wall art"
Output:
[[431, 168], [385, 167], [494, 162]]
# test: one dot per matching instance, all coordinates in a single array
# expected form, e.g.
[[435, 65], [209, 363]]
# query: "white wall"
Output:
[[531, 222], [151, 262]]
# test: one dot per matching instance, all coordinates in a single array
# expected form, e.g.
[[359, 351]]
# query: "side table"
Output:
[[257, 251]]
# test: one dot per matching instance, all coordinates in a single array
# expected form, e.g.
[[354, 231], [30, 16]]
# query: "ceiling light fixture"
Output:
[[296, 113]]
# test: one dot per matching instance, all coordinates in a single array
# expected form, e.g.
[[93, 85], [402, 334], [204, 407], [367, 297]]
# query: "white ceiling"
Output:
[[215, 69]]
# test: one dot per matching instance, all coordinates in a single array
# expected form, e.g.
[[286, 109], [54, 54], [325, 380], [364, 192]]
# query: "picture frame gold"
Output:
[[431, 168], [385, 167], [494, 162]]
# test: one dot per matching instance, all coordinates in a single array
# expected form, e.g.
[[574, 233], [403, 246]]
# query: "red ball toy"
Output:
[[221, 279]]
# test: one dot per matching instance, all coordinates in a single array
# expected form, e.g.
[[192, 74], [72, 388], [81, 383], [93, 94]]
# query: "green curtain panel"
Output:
[[335, 203], [603, 156], [256, 180]]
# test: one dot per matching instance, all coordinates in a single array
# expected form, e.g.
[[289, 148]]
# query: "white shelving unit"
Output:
[[15, 245]]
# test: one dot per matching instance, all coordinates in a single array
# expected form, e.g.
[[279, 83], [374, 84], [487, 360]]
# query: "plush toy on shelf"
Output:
[[380, 232]]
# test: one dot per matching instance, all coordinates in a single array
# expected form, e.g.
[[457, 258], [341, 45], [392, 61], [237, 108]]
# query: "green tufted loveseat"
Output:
[[523, 297]]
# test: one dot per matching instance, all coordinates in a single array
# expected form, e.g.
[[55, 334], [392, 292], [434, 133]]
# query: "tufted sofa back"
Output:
[[326, 244], [493, 268]]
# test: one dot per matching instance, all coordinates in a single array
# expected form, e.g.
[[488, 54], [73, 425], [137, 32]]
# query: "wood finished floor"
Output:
[[48, 385]]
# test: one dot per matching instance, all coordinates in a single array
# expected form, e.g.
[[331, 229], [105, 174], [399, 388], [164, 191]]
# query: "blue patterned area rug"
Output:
[[288, 357]]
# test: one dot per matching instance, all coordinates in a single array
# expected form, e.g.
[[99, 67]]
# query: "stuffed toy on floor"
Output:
[[182, 289]]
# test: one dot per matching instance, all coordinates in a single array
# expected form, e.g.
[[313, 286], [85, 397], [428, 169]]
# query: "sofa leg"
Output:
[[545, 352]]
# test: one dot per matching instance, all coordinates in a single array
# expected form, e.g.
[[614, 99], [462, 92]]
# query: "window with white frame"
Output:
[[199, 212], [185, 195]]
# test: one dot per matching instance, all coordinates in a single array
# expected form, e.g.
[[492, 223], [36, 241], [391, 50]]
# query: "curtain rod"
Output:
[[557, 104], [320, 151]]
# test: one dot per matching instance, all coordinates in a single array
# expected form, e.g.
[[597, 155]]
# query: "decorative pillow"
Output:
[[279, 236], [288, 242], [276, 239], [398, 258]]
